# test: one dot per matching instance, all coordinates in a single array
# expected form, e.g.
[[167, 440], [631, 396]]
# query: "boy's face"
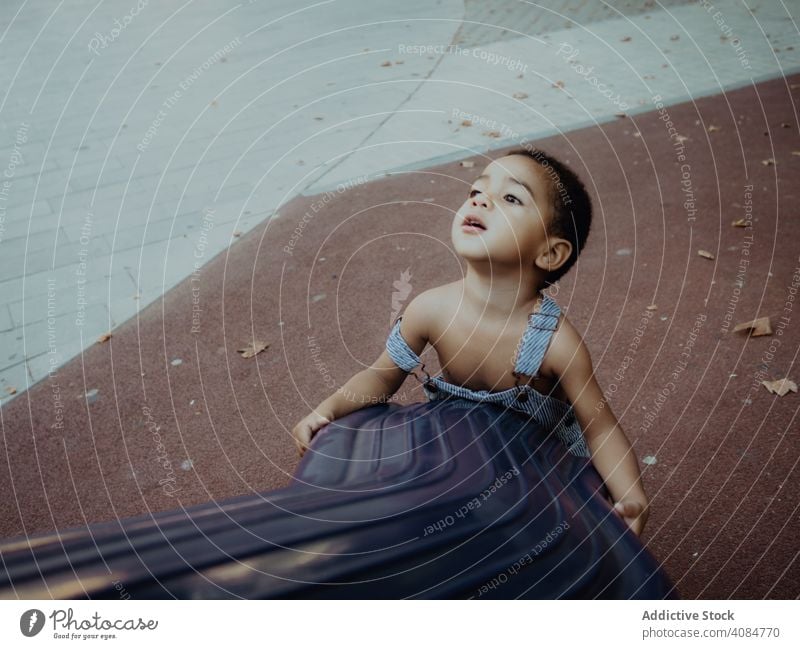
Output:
[[510, 205]]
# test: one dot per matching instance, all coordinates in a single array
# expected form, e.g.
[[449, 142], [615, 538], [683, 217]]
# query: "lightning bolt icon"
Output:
[[32, 621]]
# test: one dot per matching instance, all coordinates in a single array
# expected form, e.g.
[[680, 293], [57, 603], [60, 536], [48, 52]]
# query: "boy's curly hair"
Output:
[[572, 207]]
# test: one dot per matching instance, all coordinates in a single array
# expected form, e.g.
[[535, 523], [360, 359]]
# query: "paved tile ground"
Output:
[[139, 143]]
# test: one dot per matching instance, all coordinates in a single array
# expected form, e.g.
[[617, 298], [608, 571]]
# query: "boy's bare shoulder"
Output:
[[423, 312], [566, 349]]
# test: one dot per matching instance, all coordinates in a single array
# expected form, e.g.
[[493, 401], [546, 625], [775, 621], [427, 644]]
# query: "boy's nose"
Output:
[[480, 200]]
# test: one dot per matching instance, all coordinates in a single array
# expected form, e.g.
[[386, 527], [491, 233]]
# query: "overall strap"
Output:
[[399, 351], [404, 357], [541, 325]]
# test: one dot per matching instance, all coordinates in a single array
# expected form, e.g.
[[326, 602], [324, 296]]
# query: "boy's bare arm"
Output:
[[612, 453], [375, 384]]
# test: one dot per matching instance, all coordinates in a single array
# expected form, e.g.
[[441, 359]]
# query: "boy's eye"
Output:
[[513, 199]]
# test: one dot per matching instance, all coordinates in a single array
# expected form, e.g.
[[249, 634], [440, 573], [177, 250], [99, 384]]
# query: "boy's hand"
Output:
[[634, 513], [306, 428]]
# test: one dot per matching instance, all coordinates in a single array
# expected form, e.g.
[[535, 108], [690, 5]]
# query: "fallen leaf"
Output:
[[520, 95], [625, 39], [491, 133], [712, 128], [768, 162], [104, 338], [466, 122], [759, 326], [785, 125], [705, 253], [253, 348], [399, 62], [558, 84], [213, 102], [674, 37], [386, 64], [739, 223], [621, 115], [467, 164], [651, 307], [11, 389], [780, 386]]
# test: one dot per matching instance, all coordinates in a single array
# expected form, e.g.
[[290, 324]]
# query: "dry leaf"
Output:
[[491, 133], [705, 253], [466, 122], [759, 326], [652, 307], [621, 115], [739, 223], [768, 162], [712, 128], [625, 39], [11, 389], [253, 348], [780, 386], [558, 84], [213, 102], [520, 95], [467, 164], [104, 338], [386, 64]]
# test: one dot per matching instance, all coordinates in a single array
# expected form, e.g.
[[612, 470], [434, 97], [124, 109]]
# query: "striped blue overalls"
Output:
[[551, 413]]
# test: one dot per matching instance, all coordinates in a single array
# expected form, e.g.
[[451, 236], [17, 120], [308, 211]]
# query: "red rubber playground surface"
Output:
[[721, 451]]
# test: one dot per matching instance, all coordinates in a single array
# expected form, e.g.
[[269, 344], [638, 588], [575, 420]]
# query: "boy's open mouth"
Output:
[[472, 223]]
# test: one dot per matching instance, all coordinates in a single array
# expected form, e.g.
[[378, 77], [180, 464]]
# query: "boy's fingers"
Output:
[[628, 509]]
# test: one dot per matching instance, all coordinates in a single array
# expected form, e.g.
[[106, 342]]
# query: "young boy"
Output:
[[521, 228]]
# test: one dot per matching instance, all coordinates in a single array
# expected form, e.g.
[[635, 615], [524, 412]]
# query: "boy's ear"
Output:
[[555, 256]]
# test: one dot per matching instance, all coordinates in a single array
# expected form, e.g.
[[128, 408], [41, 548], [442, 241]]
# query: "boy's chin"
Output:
[[471, 251]]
